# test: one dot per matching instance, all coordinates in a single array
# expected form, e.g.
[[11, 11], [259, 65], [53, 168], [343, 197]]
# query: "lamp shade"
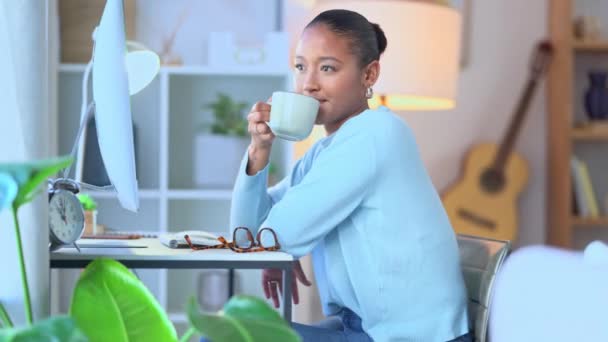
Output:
[[142, 66], [419, 69]]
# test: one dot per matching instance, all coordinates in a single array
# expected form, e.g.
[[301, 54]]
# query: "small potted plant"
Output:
[[220, 144], [90, 214]]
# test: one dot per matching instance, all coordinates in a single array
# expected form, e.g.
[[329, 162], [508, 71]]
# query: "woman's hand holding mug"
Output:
[[261, 137]]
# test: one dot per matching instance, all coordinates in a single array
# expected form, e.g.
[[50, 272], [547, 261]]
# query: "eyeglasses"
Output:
[[242, 241]]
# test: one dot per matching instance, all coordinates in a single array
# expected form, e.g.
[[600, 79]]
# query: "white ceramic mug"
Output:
[[292, 115]]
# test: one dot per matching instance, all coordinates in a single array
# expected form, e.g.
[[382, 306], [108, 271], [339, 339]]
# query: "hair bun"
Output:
[[380, 37]]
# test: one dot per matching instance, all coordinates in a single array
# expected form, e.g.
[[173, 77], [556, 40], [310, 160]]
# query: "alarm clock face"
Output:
[[66, 217]]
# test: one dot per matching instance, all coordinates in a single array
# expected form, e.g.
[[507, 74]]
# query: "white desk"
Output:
[[150, 253]]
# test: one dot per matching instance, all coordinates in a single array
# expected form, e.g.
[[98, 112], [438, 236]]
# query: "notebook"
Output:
[[198, 237]]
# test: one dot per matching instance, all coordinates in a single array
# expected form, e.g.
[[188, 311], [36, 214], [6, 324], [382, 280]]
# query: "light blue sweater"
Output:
[[362, 202]]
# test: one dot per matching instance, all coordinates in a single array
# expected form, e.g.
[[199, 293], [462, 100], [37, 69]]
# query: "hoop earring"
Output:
[[369, 93]]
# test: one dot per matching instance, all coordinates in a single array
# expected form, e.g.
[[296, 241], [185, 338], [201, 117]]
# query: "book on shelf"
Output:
[[584, 195]]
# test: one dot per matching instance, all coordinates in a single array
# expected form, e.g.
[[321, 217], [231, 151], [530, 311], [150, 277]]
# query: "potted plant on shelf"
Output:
[[220, 145], [90, 214]]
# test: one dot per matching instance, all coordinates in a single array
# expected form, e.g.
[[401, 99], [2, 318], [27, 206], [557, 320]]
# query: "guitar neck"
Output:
[[510, 136]]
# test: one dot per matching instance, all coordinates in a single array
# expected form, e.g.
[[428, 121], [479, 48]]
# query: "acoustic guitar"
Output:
[[484, 201]]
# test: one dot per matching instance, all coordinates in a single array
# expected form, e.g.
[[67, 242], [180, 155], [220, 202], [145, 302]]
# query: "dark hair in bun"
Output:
[[367, 40]]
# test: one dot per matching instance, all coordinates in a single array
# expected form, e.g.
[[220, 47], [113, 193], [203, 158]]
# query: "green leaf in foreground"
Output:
[[30, 176], [110, 304], [60, 328], [244, 318]]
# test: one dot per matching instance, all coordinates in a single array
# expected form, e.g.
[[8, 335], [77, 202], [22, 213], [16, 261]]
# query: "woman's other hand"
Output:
[[272, 282]]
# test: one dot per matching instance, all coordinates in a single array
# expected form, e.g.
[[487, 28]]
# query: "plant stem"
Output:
[[5, 318], [188, 334], [26, 288]]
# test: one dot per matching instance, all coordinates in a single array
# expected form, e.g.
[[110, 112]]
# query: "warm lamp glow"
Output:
[[419, 69], [411, 102]]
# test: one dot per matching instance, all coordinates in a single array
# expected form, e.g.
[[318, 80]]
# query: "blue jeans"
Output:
[[345, 327]]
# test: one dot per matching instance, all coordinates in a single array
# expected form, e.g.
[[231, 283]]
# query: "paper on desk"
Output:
[[107, 243]]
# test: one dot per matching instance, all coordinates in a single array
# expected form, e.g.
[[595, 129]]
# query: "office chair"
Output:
[[480, 259]]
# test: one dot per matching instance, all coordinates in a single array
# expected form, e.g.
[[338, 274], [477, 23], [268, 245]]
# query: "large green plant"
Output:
[[110, 304], [228, 116]]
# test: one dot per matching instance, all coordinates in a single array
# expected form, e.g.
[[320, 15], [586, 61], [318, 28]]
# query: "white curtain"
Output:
[[25, 132]]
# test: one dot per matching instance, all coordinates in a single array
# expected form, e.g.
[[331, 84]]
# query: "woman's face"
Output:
[[326, 69]]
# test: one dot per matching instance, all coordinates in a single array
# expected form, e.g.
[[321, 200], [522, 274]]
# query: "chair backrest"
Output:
[[480, 259]]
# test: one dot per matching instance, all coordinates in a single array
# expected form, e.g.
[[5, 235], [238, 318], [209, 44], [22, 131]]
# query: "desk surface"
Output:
[[154, 250], [151, 253]]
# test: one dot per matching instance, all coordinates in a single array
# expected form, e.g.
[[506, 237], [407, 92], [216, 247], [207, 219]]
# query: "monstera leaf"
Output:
[[243, 319], [110, 304], [61, 328]]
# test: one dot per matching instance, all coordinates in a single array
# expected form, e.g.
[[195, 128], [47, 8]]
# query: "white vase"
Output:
[[217, 159]]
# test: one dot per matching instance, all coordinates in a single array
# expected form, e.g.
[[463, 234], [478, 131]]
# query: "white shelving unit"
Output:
[[165, 115]]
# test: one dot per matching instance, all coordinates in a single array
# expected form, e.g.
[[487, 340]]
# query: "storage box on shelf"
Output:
[[166, 115]]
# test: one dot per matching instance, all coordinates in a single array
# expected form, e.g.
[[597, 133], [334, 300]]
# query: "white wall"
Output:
[[24, 136], [503, 37]]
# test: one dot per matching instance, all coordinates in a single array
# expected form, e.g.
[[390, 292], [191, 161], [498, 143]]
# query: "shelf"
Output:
[[590, 46], [197, 70], [227, 70], [145, 194], [200, 194], [589, 222], [590, 132]]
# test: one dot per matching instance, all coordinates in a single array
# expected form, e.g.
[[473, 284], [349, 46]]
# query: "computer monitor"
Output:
[[118, 73]]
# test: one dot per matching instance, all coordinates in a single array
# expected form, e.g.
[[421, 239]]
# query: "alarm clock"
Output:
[[66, 216]]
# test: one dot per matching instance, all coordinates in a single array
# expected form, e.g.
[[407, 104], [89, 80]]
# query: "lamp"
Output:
[[117, 73], [419, 69]]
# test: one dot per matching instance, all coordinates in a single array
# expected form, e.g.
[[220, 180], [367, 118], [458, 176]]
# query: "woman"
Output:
[[385, 256]]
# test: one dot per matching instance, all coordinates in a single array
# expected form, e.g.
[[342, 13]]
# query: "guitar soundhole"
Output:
[[492, 180]]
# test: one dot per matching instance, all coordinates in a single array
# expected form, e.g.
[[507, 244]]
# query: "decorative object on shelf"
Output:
[[596, 96], [90, 214], [483, 202], [219, 148], [167, 55], [78, 19], [223, 51], [587, 28]]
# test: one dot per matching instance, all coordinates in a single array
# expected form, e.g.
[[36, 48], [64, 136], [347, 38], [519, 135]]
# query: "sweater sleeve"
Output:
[[252, 200], [328, 194]]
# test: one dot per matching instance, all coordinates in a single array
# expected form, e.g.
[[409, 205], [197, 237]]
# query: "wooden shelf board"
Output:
[[590, 46], [587, 221], [590, 132]]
